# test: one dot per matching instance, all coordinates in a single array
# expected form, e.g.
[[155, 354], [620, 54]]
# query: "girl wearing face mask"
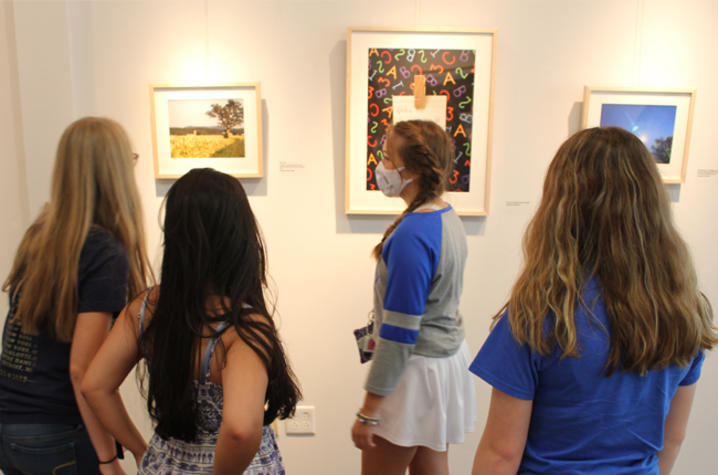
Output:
[[419, 398]]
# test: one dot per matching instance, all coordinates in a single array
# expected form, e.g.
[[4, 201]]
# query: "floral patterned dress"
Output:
[[173, 457]]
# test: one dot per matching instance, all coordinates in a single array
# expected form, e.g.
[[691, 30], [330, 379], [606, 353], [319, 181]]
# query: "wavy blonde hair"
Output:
[[427, 150], [93, 185], [605, 215]]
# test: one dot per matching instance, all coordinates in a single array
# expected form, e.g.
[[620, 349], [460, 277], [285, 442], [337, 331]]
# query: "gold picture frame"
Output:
[[218, 126]]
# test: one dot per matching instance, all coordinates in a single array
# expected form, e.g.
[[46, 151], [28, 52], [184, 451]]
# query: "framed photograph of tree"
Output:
[[441, 74], [662, 119], [207, 126]]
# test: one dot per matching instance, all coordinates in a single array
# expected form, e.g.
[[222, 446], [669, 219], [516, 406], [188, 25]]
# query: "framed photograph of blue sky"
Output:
[[662, 119]]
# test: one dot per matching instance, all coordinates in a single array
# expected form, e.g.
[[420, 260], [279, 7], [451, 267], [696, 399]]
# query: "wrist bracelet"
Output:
[[367, 421], [108, 461]]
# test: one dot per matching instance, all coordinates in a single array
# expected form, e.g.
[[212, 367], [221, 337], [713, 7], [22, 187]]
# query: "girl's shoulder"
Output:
[[99, 248], [418, 226], [142, 306], [100, 238], [253, 324]]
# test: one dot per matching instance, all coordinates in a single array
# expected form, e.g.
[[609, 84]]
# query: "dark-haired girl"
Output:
[[420, 397], [594, 360], [217, 373]]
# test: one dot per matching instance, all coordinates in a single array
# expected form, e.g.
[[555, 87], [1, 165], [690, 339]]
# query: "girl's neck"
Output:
[[410, 192]]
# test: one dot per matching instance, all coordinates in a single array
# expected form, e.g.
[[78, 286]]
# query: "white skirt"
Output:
[[433, 405]]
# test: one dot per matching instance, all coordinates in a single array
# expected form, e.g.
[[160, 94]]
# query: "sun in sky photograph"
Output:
[[653, 124]]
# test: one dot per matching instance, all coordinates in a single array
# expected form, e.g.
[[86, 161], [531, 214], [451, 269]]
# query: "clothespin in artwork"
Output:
[[419, 91]]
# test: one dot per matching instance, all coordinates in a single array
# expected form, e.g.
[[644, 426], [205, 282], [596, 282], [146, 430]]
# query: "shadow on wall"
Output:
[[346, 223], [574, 118]]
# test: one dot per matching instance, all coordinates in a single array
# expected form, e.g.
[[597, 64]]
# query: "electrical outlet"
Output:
[[302, 423]]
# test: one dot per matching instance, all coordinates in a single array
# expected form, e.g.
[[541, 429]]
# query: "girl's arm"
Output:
[[504, 439], [90, 331], [675, 429], [244, 385], [114, 360], [363, 434]]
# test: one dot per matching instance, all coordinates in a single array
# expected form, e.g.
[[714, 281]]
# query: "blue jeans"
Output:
[[52, 449]]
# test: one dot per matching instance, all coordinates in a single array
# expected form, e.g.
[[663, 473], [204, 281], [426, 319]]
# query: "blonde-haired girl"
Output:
[[73, 271], [595, 357]]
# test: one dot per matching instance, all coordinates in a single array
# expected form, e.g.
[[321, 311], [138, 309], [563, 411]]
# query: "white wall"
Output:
[[13, 190], [104, 55]]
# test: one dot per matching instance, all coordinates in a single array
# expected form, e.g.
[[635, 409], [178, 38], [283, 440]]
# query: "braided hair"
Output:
[[428, 151]]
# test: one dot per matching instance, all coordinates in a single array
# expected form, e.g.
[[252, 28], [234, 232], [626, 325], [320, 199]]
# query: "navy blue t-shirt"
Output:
[[35, 384], [583, 422]]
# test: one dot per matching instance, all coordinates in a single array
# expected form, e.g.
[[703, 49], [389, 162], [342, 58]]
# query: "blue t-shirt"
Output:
[[583, 422], [35, 384], [417, 286]]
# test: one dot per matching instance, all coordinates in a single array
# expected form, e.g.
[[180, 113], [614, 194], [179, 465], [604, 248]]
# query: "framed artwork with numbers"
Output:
[[382, 66]]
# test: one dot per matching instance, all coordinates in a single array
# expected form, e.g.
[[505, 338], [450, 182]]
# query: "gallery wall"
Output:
[[13, 191], [61, 60]]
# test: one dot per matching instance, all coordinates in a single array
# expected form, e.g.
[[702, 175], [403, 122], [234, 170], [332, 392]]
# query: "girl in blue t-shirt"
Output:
[[73, 271], [594, 359]]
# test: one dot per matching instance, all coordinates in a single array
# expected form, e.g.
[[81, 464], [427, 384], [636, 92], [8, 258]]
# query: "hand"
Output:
[[113, 468], [363, 436]]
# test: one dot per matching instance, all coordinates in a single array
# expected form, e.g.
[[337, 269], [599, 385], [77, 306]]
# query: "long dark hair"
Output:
[[427, 150], [212, 247]]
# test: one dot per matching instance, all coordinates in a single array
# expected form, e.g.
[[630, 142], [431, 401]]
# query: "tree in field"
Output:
[[229, 115], [661, 149]]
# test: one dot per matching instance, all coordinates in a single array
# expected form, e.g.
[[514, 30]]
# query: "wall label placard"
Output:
[[707, 172]]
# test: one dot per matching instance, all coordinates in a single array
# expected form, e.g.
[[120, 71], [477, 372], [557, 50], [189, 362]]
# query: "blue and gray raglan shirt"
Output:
[[417, 286]]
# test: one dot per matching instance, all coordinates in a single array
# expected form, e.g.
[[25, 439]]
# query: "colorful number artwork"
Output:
[[449, 72]]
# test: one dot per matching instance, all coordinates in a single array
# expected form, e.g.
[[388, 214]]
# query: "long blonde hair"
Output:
[[605, 215], [93, 185], [427, 150]]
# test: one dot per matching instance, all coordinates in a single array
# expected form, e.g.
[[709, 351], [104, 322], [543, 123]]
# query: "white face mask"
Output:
[[389, 181]]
